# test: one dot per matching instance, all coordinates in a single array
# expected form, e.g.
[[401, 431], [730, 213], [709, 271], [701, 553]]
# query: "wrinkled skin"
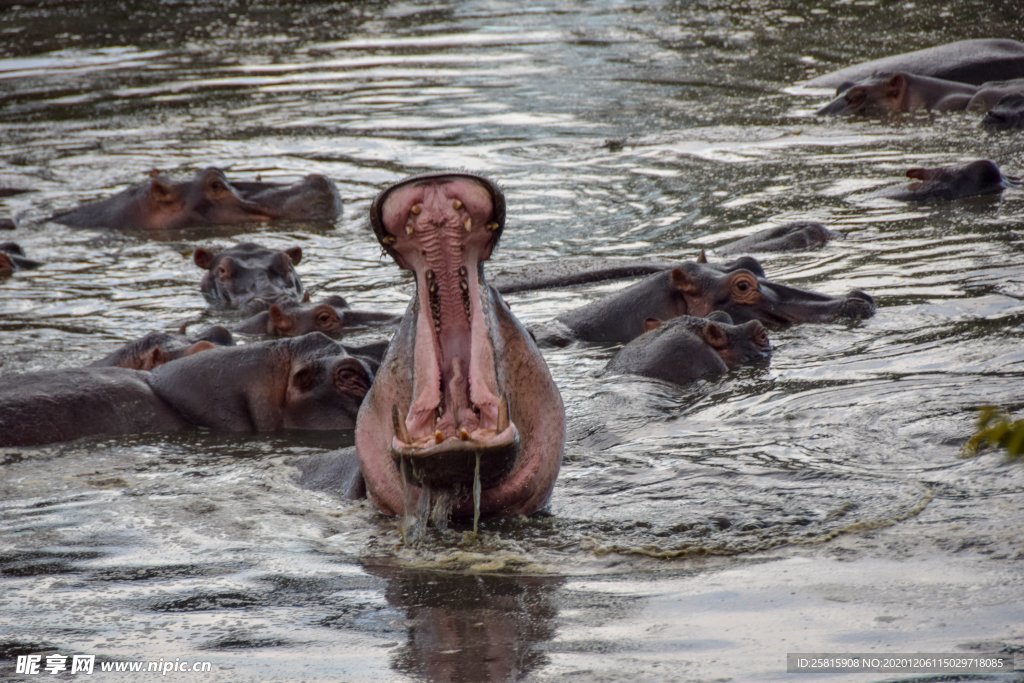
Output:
[[892, 93], [249, 277], [686, 349], [333, 317], [789, 237], [161, 204], [964, 61], [12, 258], [314, 199], [739, 288], [1008, 114], [157, 348], [61, 405], [952, 182], [308, 382], [461, 375]]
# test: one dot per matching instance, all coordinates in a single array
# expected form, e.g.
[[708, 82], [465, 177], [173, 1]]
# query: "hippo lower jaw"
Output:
[[791, 306]]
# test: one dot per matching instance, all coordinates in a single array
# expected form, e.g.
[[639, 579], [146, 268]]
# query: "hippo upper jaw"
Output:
[[781, 306], [463, 396]]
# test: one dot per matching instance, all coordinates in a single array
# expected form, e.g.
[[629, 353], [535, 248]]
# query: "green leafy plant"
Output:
[[995, 428]]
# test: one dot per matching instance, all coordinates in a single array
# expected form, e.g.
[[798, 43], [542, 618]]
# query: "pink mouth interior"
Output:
[[441, 228]]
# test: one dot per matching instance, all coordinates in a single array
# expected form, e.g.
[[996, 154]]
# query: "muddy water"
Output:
[[820, 504]]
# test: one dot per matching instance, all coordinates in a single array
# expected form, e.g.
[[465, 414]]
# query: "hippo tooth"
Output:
[[415, 209], [463, 434], [389, 240], [468, 224], [409, 230], [438, 436], [502, 415], [456, 204], [492, 226], [399, 426]]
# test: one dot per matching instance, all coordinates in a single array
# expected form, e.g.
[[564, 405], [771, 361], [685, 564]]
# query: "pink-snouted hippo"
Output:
[[463, 395]]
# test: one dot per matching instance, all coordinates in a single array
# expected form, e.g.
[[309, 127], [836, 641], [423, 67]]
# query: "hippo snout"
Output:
[[859, 304]]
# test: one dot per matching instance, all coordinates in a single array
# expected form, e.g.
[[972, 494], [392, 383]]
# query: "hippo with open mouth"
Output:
[[463, 412]]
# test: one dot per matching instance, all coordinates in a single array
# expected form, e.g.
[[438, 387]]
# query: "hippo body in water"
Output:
[[788, 237], [206, 199], [249, 277], [463, 398], [738, 288], [61, 405], [981, 177], [157, 348], [687, 348], [965, 61], [309, 383]]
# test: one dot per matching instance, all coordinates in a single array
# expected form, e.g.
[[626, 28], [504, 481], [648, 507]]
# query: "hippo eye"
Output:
[[744, 288], [324, 319], [217, 186]]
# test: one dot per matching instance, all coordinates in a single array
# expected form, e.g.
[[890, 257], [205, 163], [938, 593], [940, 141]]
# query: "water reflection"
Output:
[[471, 627]]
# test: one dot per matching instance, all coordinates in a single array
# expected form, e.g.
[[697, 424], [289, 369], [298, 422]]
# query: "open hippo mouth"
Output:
[[457, 427]]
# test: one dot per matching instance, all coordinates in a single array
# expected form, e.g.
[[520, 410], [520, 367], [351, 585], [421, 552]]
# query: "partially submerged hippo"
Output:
[[249, 277], [314, 199], [157, 348], [952, 182], [8, 224], [687, 348], [308, 382], [1007, 114], [966, 61], [793, 236], [463, 405], [12, 258], [332, 316], [889, 93], [61, 405], [208, 198], [739, 288]]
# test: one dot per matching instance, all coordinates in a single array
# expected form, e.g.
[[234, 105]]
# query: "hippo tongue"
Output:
[[442, 227]]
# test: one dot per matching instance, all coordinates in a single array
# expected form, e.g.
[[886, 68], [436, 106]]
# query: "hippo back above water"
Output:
[[966, 61]]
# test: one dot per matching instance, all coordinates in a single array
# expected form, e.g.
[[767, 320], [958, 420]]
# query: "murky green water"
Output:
[[817, 505]]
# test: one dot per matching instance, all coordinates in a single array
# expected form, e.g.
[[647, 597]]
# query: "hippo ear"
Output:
[[160, 190], [153, 358], [715, 336], [199, 347], [651, 324], [683, 282], [896, 87], [203, 258], [304, 378], [280, 322], [702, 257], [295, 254], [336, 301]]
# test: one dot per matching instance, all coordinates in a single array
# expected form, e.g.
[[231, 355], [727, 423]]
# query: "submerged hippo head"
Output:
[[211, 199], [740, 289], [953, 182], [877, 95], [1007, 114], [463, 393], [315, 198], [308, 382], [158, 348], [12, 258], [249, 277]]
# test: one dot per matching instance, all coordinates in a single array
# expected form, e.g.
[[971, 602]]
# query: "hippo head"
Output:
[[211, 199], [1007, 114], [157, 348], [737, 345], [327, 317], [740, 289], [249, 277], [877, 95], [443, 227], [954, 182]]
